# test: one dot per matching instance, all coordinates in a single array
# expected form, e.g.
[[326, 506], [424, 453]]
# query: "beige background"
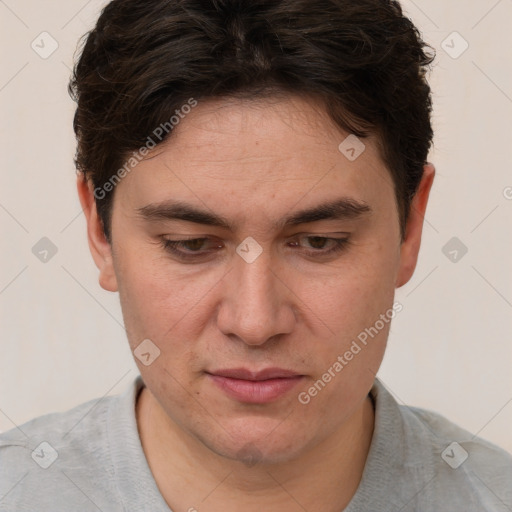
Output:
[[450, 349]]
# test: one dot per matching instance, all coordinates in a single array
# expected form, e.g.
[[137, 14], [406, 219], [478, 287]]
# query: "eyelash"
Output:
[[173, 246]]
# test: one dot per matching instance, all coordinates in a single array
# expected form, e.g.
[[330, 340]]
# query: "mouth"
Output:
[[255, 387]]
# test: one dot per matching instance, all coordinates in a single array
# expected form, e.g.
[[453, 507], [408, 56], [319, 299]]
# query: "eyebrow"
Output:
[[344, 208]]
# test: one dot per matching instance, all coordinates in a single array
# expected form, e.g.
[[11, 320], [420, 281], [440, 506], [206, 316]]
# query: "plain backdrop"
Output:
[[450, 349]]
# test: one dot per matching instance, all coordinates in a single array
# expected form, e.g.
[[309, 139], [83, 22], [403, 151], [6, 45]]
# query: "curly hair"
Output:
[[364, 61]]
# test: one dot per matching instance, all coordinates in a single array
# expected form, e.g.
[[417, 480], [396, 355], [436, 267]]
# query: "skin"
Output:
[[255, 163]]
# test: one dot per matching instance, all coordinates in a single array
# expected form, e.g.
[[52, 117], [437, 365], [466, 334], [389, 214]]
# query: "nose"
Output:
[[256, 304]]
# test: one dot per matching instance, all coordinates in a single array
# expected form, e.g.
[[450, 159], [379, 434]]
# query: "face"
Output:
[[249, 241]]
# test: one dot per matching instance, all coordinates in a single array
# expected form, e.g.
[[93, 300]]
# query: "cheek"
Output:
[[353, 295], [157, 301]]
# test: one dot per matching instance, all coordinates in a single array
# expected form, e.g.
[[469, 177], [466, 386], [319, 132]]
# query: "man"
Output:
[[254, 180]]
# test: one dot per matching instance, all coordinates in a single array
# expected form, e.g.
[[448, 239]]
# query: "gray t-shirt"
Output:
[[90, 458]]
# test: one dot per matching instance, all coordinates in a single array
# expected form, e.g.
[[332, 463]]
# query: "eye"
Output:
[[191, 249], [322, 245]]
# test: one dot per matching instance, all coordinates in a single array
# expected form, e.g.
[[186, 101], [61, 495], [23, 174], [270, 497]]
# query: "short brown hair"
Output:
[[364, 60]]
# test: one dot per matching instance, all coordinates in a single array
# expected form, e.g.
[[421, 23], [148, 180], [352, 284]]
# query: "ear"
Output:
[[411, 244], [99, 246]]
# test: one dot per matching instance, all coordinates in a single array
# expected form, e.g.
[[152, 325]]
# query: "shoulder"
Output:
[[450, 465], [74, 429], [57, 457], [452, 443]]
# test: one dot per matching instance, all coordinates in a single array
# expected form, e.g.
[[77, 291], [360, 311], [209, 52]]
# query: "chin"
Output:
[[258, 448], [251, 454]]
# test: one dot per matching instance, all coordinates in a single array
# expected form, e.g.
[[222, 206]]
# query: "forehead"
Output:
[[289, 127], [259, 154]]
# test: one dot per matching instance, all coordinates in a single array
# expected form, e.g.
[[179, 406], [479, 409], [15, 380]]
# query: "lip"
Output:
[[255, 387]]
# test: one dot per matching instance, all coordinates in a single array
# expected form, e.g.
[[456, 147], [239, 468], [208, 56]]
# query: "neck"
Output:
[[190, 476]]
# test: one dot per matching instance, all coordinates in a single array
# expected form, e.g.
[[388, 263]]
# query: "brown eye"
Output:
[[321, 245], [318, 242], [190, 249]]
